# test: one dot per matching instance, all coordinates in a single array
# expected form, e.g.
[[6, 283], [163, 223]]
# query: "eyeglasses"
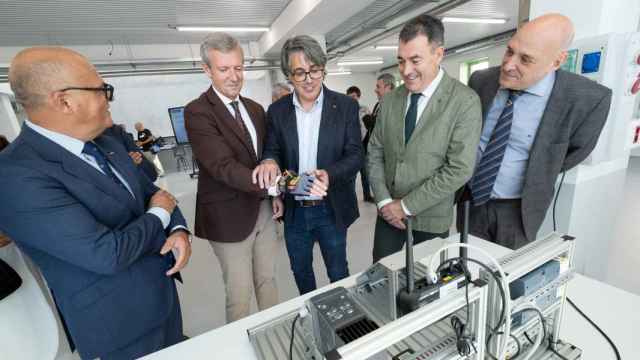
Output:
[[106, 88], [300, 75]]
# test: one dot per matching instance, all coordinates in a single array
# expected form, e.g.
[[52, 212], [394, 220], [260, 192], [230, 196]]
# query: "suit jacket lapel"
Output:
[[488, 92], [123, 164], [76, 167], [432, 111], [291, 132], [556, 107], [260, 131], [327, 124], [227, 120]]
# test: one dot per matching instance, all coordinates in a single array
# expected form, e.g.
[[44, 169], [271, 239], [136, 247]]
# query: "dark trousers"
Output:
[[311, 224], [498, 221], [165, 335], [388, 239], [366, 189]]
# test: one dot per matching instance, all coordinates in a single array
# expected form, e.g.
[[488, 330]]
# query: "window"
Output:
[[469, 67]]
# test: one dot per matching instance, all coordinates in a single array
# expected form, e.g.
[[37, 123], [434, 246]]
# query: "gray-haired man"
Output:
[[226, 131], [314, 130]]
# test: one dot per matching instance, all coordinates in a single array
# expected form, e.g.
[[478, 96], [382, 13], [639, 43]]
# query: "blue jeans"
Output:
[[312, 224]]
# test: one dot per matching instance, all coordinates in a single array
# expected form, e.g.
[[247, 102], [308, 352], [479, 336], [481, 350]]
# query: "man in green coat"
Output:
[[424, 144]]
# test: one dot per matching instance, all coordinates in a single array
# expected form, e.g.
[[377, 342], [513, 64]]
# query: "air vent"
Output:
[[356, 330]]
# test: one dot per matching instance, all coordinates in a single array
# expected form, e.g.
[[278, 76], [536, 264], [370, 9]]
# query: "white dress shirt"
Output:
[[423, 101], [75, 147], [308, 127], [245, 117]]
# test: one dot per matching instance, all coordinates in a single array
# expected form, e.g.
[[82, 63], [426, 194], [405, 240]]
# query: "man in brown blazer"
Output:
[[226, 132]]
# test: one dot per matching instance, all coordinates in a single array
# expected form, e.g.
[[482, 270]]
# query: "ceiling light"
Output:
[[367, 62], [218, 28], [386, 47], [339, 73], [473, 20]]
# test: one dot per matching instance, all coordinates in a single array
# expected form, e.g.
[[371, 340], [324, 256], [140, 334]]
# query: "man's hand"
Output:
[[179, 241], [136, 157], [139, 143], [163, 200], [320, 184], [278, 207], [4, 240], [266, 173], [394, 214]]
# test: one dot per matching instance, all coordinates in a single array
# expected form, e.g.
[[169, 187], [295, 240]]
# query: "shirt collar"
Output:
[[317, 102], [71, 144], [225, 100], [429, 90], [544, 86]]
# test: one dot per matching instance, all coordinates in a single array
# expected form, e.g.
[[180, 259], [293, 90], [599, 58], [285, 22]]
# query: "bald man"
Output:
[[101, 233], [538, 121]]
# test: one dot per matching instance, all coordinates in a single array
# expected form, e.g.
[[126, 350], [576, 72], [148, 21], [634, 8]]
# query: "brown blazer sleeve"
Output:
[[214, 154]]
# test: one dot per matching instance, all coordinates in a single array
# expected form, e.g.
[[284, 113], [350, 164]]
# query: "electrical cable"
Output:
[[293, 334], [495, 277], [464, 342], [530, 307], [613, 346], [555, 201]]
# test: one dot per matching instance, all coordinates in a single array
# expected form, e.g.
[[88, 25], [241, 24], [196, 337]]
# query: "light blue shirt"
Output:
[[75, 147], [527, 114], [308, 126]]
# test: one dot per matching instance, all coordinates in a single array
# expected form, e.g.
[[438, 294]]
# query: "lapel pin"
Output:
[[334, 106]]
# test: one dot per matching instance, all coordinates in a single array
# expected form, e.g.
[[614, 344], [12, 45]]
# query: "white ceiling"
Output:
[[100, 22]]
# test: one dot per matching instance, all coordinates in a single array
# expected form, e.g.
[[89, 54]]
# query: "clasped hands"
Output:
[[394, 214], [178, 241]]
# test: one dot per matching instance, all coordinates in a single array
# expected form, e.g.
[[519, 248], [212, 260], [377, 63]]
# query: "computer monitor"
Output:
[[176, 115]]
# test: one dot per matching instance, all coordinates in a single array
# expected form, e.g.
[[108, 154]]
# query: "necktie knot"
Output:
[[415, 98], [235, 106], [91, 149]]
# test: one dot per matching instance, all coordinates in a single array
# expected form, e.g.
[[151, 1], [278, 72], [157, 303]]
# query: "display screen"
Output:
[[591, 62], [176, 115]]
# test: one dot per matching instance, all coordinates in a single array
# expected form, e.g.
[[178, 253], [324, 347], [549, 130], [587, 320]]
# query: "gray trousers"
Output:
[[498, 221]]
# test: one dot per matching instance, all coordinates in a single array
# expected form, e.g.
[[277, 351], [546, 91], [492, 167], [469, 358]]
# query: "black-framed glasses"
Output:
[[106, 88], [299, 75]]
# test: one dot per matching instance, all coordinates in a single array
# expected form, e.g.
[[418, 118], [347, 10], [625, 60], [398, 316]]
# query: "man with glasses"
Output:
[[316, 131], [101, 233]]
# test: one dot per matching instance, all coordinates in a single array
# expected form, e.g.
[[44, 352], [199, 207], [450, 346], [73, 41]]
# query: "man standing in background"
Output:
[[538, 121], [355, 93], [423, 146], [227, 131], [145, 141]]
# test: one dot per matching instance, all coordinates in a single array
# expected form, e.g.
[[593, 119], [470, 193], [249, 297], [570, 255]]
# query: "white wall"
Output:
[[365, 81], [147, 98], [451, 64]]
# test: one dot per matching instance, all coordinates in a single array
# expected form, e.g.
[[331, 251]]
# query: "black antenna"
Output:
[[410, 274]]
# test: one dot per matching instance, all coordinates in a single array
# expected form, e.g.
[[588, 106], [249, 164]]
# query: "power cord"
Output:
[[464, 341], [293, 334], [613, 346]]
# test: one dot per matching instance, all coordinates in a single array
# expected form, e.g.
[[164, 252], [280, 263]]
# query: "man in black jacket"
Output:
[[314, 130]]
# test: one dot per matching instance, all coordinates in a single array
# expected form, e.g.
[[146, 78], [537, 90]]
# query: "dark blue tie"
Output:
[[91, 149], [411, 117], [487, 170]]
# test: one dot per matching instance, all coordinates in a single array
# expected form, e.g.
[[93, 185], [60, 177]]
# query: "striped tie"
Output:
[[487, 170]]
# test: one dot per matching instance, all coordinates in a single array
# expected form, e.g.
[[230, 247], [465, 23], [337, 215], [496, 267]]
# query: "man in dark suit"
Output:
[[317, 131], [227, 133], [538, 121], [99, 231], [126, 139]]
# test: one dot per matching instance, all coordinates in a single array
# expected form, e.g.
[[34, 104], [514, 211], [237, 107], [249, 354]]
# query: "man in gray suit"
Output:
[[423, 145], [538, 121]]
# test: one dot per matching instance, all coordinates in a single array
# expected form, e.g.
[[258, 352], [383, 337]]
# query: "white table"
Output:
[[614, 310]]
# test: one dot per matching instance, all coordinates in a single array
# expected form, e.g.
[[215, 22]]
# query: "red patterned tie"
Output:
[[243, 127]]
